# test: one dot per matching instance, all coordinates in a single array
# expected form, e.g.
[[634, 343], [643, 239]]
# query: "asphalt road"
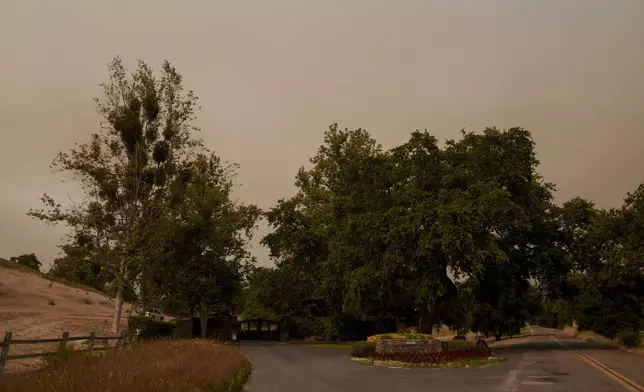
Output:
[[535, 363]]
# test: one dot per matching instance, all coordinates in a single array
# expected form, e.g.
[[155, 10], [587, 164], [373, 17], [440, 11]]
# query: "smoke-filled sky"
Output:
[[272, 75]]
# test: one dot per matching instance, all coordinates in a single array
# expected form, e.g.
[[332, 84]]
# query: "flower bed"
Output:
[[464, 356], [439, 357], [455, 363]]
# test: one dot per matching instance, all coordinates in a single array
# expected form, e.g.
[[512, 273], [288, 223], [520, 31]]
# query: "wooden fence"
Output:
[[121, 341]]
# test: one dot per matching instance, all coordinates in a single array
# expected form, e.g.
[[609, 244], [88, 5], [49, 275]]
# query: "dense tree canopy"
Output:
[[205, 243], [463, 233], [604, 288]]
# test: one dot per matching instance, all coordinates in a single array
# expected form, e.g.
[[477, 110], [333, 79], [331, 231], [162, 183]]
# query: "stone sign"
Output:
[[408, 346]]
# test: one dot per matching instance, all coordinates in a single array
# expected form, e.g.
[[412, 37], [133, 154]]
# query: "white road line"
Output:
[[510, 384]]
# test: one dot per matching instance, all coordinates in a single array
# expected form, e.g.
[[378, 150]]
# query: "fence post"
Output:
[[121, 341], [63, 344], [4, 354], [92, 337]]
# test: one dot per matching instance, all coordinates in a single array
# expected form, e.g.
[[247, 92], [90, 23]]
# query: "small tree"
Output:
[[28, 260]]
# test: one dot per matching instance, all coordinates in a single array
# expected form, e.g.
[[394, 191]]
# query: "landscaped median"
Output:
[[404, 350], [161, 365]]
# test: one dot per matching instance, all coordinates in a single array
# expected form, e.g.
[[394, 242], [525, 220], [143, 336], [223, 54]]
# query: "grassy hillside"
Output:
[[34, 305], [8, 264]]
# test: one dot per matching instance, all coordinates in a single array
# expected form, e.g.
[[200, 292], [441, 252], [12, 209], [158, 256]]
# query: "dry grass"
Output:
[[34, 307], [593, 337], [443, 331], [8, 264], [596, 338], [86, 301], [163, 365]]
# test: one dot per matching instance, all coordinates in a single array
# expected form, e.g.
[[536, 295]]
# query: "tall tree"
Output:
[[128, 169], [207, 242], [612, 279], [516, 205], [386, 232]]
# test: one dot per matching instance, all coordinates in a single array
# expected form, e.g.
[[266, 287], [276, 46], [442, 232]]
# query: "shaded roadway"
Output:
[[535, 363]]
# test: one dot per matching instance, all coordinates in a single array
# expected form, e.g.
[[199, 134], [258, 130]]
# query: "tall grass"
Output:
[[162, 365]]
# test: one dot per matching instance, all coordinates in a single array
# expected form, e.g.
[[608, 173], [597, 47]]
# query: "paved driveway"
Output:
[[536, 363], [284, 368]]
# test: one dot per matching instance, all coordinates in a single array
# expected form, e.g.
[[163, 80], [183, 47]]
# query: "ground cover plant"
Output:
[[437, 357], [456, 363]]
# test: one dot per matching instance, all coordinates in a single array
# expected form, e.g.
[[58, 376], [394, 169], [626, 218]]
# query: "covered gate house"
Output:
[[259, 329]]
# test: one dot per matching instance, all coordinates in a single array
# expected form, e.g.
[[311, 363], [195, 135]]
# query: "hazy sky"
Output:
[[272, 75]]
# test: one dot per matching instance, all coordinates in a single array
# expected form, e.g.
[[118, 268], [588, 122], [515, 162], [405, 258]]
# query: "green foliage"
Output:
[[78, 263], [147, 328], [604, 289], [455, 363], [363, 349], [205, 242], [373, 234], [64, 352], [237, 382], [459, 345], [629, 338], [27, 260]]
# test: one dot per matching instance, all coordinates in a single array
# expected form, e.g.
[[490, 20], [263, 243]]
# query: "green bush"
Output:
[[628, 338], [363, 349], [237, 382], [149, 328]]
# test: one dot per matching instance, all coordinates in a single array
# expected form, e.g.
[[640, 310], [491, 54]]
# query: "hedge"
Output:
[[363, 349], [147, 328], [628, 338]]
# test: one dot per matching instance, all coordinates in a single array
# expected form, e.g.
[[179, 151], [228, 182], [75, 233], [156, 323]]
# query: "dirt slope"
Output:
[[33, 307]]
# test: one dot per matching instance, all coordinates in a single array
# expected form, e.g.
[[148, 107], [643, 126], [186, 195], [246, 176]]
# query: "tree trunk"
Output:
[[118, 305], [203, 318], [283, 326], [143, 290], [497, 332], [425, 322]]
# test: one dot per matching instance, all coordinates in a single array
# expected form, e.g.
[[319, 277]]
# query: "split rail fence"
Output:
[[121, 341]]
